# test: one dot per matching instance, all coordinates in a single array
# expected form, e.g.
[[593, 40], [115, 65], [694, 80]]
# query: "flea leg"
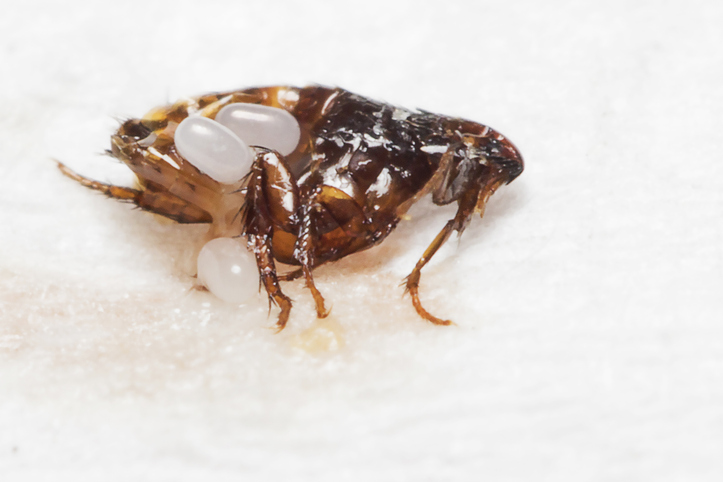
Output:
[[494, 182], [152, 197], [109, 190], [292, 275], [267, 273], [458, 223], [272, 202], [268, 179], [335, 206], [303, 253], [321, 311]]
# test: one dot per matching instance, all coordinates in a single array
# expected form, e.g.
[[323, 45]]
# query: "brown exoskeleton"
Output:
[[359, 166]]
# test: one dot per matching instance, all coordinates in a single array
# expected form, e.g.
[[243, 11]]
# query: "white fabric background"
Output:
[[588, 343]]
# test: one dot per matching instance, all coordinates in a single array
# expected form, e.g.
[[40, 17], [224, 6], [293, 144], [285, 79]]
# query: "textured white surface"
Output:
[[589, 337]]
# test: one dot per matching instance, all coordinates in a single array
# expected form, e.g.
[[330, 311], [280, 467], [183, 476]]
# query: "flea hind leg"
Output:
[[466, 208], [152, 197], [117, 192]]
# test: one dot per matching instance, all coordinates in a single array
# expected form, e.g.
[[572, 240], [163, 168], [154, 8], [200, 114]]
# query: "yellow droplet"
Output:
[[324, 335]]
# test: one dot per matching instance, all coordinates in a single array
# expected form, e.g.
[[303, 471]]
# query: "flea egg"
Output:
[[228, 270], [213, 149], [261, 125]]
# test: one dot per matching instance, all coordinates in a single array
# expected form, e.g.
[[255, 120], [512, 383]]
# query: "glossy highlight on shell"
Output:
[[307, 175]]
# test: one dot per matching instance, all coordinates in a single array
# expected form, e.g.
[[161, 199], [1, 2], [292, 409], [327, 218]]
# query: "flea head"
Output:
[[490, 147]]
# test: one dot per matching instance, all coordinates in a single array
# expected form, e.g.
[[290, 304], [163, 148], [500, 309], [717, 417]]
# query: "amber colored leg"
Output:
[[321, 311], [458, 223], [488, 190], [107, 189], [267, 273], [259, 227], [412, 281], [303, 253], [292, 275], [151, 198]]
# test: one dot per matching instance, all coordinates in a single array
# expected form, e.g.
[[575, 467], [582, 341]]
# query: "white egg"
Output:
[[228, 270], [213, 149], [261, 125]]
